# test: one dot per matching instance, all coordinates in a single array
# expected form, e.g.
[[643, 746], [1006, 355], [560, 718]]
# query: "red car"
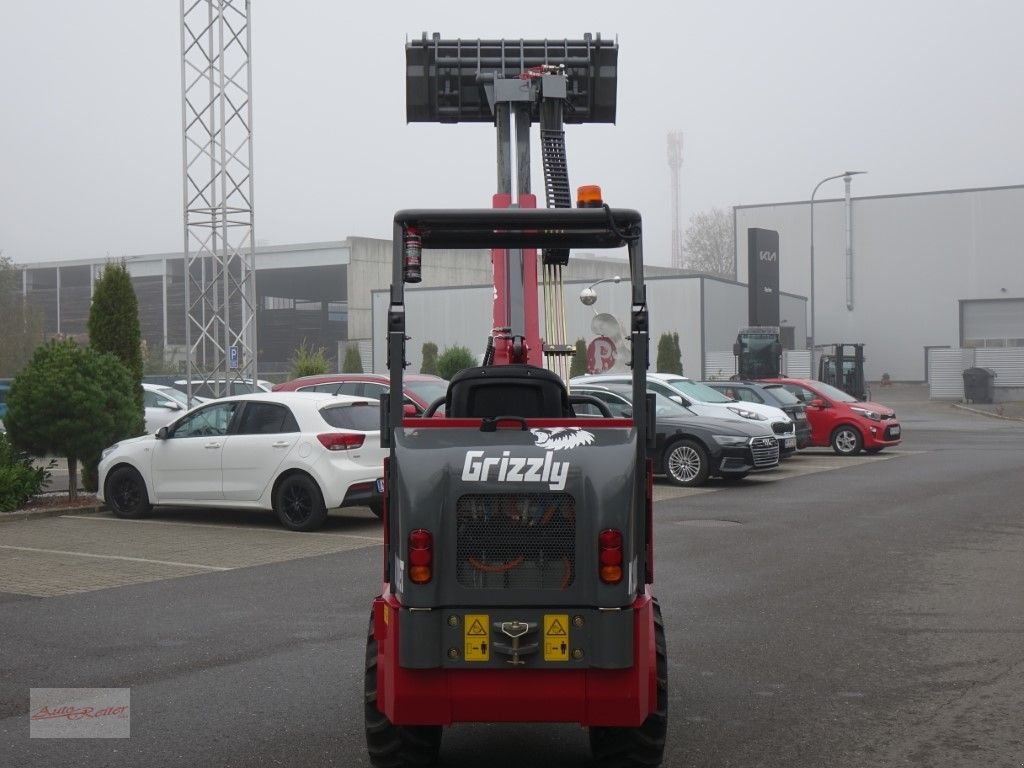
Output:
[[842, 421], [421, 389]]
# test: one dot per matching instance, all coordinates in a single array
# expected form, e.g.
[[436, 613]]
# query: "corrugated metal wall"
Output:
[[796, 363], [945, 373], [719, 365], [1008, 363], [946, 369]]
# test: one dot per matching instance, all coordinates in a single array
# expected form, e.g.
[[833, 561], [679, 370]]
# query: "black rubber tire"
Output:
[[298, 503], [686, 463], [846, 441], [390, 745], [126, 495], [876, 449], [377, 507], [641, 747]]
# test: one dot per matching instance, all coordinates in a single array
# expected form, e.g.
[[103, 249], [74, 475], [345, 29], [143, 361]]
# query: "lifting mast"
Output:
[[512, 83]]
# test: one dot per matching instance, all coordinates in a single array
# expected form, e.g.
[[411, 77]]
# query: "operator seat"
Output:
[[507, 390]]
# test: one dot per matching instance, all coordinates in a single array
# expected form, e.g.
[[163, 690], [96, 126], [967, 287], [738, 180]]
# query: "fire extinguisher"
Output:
[[412, 256]]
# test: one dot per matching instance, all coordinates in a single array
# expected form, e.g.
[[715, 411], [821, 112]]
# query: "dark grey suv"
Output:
[[690, 448]]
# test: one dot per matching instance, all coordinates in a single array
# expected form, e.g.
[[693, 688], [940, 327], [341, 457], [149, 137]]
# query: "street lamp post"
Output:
[[845, 175], [588, 295]]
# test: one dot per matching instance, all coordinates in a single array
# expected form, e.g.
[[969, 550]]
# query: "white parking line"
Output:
[[376, 540], [115, 557]]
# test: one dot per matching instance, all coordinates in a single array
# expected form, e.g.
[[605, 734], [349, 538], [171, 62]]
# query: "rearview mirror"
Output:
[[817, 403], [676, 399], [408, 409], [162, 433]]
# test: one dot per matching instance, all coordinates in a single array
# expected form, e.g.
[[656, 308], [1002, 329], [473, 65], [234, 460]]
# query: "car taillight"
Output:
[[609, 555], [341, 441], [421, 556]]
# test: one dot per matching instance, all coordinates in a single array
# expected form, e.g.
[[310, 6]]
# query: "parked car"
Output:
[[769, 394], [296, 453], [211, 390], [163, 405], [690, 448], [705, 401], [421, 389], [842, 421]]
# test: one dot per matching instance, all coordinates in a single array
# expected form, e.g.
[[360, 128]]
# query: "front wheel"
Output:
[[390, 745], [686, 463], [126, 493], [298, 503], [846, 441], [641, 747]]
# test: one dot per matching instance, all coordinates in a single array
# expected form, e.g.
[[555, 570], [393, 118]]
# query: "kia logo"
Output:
[[768, 255]]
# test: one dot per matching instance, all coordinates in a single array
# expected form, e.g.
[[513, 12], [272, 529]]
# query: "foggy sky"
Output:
[[771, 97]]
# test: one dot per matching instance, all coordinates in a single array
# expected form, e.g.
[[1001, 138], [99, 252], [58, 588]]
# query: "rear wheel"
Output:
[[686, 463], [126, 494], [846, 441], [390, 745], [641, 747], [299, 504]]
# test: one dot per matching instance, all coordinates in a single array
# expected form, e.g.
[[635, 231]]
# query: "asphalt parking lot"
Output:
[[83, 552], [833, 612]]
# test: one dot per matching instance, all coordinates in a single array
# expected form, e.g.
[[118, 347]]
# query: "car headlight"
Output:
[[745, 413], [873, 415], [730, 439], [107, 451]]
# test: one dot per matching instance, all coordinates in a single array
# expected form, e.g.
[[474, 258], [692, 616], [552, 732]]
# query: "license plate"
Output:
[[894, 431], [380, 485], [790, 442]]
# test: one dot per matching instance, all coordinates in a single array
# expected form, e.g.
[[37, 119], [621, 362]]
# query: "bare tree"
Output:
[[709, 245]]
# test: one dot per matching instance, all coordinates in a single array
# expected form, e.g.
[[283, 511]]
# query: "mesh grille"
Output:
[[516, 541], [765, 451], [781, 427]]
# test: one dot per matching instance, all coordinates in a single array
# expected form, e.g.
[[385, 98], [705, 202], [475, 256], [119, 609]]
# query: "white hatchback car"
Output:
[[296, 453], [163, 405]]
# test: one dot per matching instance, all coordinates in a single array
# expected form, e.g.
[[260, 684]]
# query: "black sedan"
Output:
[[769, 394], [690, 448]]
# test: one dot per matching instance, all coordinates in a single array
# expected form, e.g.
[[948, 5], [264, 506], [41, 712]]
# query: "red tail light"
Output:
[[421, 556], [609, 555], [341, 441]]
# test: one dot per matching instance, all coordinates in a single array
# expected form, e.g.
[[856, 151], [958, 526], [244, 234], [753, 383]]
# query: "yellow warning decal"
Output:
[[477, 637], [556, 637]]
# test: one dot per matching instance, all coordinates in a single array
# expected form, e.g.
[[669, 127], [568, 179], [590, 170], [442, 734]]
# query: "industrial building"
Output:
[[933, 278]]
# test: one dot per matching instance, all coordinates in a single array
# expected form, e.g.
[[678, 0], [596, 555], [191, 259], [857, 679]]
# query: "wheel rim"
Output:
[[846, 440], [684, 464], [127, 494], [297, 503]]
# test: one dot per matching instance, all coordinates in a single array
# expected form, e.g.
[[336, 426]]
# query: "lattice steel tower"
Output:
[[675, 164], [220, 295]]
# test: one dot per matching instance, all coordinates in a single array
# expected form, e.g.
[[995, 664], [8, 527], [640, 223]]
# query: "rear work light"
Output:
[[421, 556], [341, 441], [609, 556]]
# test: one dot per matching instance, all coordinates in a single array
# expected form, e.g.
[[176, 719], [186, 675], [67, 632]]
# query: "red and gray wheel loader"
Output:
[[518, 537]]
